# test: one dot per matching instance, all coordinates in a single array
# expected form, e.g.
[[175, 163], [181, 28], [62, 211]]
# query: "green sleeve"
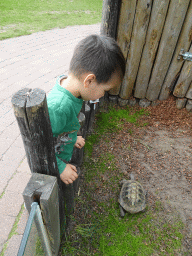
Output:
[[61, 165], [58, 122], [57, 118]]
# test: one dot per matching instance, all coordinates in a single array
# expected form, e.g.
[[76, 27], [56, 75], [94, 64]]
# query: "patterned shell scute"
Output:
[[132, 196]]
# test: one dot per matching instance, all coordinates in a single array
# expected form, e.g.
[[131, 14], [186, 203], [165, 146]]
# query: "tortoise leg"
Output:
[[122, 212]]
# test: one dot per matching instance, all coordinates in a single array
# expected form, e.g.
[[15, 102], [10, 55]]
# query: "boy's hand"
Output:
[[69, 174], [80, 142]]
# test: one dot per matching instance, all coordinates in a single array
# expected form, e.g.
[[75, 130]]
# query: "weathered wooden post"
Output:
[[93, 108], [31, 112], [141, 21], [110, 13], [43, 189], [157, 19]]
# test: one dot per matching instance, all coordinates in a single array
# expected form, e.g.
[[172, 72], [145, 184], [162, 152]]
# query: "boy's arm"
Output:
[[68, 172], [61, 165]]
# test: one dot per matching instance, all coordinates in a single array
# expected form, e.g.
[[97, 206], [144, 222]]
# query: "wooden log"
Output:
[[174, 21], [30, 108], [180, 103], [158, 15], [189, 93], [31, 112], [77, 157], [184, 80], [87, 114], [125, 26], [137, 42], [110, 14], [44, 190], [189, 106], [70, 192], [93, 108], [174, 70], [124, 31]]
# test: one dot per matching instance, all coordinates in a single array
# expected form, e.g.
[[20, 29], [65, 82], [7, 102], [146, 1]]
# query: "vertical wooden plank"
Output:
[[174, 21], [30, 108], [158, 15], [125, 25], [189, 106], [124, 31], [44, 190], [184, 80], [189, 93], [140, 26], [176, 65], [110, 14]]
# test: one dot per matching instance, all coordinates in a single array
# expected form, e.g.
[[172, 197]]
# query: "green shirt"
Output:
[[63, 110]]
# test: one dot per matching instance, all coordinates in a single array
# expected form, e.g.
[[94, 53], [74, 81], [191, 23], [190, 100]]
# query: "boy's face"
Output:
[[93, 90]]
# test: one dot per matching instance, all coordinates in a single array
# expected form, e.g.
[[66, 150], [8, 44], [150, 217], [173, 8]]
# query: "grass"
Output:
[[113, 120], [23, 17], [98, 227]]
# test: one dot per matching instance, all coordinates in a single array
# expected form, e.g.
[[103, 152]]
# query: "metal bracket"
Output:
[[185, 55]]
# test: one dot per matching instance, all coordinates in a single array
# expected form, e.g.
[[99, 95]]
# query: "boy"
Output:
[[97, 66]]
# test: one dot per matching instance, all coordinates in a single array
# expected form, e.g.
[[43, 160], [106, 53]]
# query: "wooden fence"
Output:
[[152, 34], [56, 199]]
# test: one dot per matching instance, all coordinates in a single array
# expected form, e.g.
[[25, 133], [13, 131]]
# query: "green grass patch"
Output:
[[24, 17], [113, 120], [105, 233]]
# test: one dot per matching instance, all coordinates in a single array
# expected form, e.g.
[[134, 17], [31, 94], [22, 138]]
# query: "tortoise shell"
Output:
[[132, 196]]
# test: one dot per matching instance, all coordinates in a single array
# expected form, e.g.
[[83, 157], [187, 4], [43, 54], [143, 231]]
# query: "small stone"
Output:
[[189, 105], [132, 102], [122, 102], [144, 103], [101, 101], [113, 99], [155, 103], [180, 103]]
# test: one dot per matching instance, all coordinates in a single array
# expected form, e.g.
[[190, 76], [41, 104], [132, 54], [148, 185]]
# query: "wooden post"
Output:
[[184, 80], [158, 15], [93, 108], [189, 93], [174, 70], [125, 25], [77, 157], [110, 13], [174, 21], [124, 32], [87, 114], [189, 106], [141, 21], [31, 112], [44, 190]]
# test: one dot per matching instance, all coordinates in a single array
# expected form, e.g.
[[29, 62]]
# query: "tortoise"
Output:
[[132, 197]]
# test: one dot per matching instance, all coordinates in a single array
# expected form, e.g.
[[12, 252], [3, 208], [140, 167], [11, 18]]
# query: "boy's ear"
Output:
[[89, 80]]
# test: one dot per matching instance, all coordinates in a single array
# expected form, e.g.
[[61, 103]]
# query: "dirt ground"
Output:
[[160, 156]]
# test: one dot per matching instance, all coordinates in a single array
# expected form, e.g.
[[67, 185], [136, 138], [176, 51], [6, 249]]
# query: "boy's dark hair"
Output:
[[98, 54]]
